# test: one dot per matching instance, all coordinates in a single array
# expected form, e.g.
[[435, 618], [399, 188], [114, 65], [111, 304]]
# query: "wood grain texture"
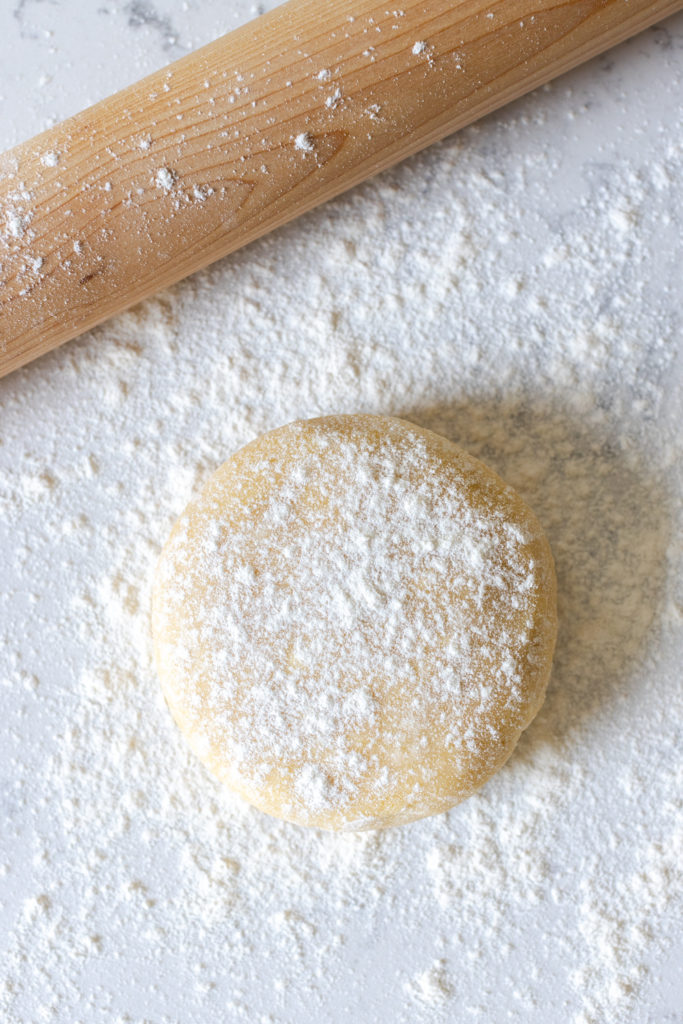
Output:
[[241, 136]]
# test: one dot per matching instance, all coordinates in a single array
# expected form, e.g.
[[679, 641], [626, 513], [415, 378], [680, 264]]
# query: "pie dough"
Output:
[[354, 621]]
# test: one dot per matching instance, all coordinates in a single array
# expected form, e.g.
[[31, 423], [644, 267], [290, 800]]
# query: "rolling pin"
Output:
[[254, 129]]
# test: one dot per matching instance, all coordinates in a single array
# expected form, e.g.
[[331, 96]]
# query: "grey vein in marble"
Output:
[[143, 14]]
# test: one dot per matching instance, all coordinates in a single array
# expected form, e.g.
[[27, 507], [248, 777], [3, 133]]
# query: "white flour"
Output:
[[516, 299], [304, 142]]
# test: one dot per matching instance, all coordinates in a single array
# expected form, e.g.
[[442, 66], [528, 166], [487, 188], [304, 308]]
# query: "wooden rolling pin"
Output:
[[243, 135]]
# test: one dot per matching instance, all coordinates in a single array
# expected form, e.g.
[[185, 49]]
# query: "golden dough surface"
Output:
[[354, 621]]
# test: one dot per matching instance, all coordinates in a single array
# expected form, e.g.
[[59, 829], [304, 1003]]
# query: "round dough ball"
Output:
[[354, 621]]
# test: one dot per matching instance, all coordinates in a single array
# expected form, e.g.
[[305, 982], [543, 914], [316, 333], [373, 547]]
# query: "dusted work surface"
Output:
[[516, 288]]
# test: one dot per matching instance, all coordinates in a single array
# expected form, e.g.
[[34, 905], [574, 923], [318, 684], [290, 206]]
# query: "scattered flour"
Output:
[[304, 142], [334, 99], [16, 223], [165, 178], [432, 986], [518, 294], [201, 192], [50, 159]]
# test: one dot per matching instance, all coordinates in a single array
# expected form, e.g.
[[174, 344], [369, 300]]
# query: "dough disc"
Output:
[[354, 621]]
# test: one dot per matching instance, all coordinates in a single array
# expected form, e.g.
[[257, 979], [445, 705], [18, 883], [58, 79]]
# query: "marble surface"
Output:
[[56, 58]]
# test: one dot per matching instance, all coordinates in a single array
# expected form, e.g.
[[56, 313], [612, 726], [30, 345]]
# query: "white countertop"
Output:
[[517, 288]]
